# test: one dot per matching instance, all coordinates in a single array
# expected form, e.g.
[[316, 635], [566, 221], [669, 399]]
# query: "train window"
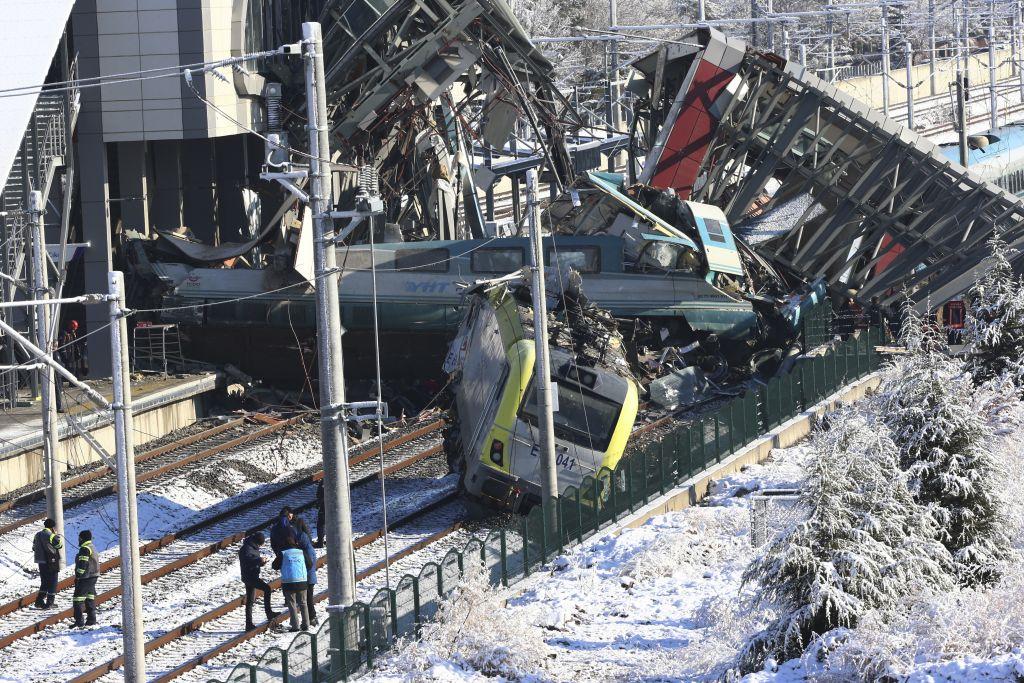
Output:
[[582, 259], [715, 232], [500, 260], [661, 256], [427, 260], [583, 417]]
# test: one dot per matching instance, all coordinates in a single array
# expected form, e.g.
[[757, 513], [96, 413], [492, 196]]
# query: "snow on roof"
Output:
[[29, 36]]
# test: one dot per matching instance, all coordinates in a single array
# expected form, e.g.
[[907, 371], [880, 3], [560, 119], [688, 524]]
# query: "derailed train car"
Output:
[[494, 436]]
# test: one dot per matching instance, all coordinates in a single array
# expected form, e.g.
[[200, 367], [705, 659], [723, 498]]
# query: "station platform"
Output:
[[160, 404]]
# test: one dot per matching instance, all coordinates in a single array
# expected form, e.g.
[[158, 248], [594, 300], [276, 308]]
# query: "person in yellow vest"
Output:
[[46, 548], [87, 571]]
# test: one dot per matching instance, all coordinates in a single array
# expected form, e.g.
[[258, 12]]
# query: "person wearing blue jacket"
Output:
[[293, 581], [305, 540]]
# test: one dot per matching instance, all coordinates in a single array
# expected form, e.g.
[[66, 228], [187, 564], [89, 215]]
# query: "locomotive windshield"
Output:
[[583, 417]]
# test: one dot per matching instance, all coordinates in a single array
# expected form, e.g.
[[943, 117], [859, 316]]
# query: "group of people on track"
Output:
[[295, 558], [290, 540]]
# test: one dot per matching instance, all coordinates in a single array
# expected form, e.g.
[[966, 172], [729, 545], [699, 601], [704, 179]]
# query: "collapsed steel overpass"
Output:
[[750, 131]]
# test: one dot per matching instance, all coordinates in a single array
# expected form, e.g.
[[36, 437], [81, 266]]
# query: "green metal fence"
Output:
[[349, 642]]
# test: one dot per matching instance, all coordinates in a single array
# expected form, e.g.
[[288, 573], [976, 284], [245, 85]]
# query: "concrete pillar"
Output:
[[199, 200], [165, 189], [131, 175], [94, 186]]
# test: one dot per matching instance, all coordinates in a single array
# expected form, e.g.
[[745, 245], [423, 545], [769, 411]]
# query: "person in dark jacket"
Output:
[[87, 570], [321, 515], [47, 547], [282, 528], [293, 581], [305, 542], [250, 562]]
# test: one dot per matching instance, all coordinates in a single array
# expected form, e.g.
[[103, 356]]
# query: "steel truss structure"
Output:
[[889, 215]]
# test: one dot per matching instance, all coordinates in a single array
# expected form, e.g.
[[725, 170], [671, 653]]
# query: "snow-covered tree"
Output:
[[927, 400], [994, 328], [864, 544]]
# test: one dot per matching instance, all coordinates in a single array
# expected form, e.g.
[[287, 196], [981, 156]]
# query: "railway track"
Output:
[[150, 465], [189, 646], [223, 529], [194, 554]]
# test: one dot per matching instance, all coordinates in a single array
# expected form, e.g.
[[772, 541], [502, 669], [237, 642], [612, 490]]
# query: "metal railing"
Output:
[[349, 642], [1012, 182], [42, 151]]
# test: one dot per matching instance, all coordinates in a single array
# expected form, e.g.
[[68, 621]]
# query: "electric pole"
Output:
[[961, 116], [909, 54], [965, 37], [931, 46], [614, 111], [885, 58], [1020, 48], [993, 99], [830, 28], [132, 632], [341, 581], [542, 366], [48, 386]]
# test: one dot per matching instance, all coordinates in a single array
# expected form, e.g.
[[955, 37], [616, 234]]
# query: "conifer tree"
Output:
[[864, 544], [926, 401], [994, 328]]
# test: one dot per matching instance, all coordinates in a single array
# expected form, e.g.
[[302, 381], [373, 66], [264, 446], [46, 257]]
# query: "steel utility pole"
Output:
[[341, 582], [993, 99], [965, 37], [908, 52], [830, 27], [885, 58], [961, 116], [48, 386], [542, 366], [1020, 48], [785, 44], [614, 110], [931, 46], [127, 510], [754, 11]]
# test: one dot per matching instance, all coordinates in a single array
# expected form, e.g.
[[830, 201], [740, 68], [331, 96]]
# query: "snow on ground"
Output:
[[633, 606], [166, 506], [662, 603], [181, 596]]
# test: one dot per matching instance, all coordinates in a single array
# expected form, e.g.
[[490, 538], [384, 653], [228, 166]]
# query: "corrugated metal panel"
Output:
[[29, 35]]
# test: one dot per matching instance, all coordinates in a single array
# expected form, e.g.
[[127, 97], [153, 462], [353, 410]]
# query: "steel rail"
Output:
[[195, 624], [103, 471], [156, 544]]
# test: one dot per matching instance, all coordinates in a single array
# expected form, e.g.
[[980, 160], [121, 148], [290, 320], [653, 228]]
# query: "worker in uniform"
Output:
[[87, 571], [250, 562], [70, 350], [46, 547]]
